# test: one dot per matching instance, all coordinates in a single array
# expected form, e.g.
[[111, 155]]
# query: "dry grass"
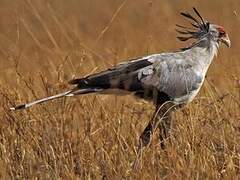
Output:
[[43, 44]]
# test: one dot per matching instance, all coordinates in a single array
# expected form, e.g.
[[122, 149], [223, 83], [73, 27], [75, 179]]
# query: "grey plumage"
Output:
[[174, 77]]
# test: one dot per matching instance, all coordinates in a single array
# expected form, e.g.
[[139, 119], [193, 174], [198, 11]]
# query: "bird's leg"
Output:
[[144, 140], [164, 128], [161, 120], [145, 137], [162, 113]]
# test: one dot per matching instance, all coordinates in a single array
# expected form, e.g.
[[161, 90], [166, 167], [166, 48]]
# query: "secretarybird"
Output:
[[169, 80]]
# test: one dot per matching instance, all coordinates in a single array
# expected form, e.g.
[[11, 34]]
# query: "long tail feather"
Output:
[[73, 92], [24, 106]]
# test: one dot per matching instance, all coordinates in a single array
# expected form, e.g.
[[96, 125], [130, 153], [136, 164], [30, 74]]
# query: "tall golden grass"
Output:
[[43, 44]]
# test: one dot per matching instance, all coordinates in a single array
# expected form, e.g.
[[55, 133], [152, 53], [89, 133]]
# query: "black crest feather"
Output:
[[200, 27]]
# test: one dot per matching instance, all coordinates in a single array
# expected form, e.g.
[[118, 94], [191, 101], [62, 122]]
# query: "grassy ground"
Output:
[[45, 43]]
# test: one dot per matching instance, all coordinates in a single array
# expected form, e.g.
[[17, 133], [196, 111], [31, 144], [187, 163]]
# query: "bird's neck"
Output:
[[203, 53]]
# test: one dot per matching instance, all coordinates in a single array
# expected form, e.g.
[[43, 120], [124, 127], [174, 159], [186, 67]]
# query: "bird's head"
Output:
[[219, 34], [202, 30]]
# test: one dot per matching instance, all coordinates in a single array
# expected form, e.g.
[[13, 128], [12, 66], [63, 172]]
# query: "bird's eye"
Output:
[[221, 32]]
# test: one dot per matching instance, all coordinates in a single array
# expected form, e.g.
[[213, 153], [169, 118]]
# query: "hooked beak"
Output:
[[225, 39]]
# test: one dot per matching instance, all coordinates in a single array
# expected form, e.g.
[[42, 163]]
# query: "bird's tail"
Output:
[[73, 92]]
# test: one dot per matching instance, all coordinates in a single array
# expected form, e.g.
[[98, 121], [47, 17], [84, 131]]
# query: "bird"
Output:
[[169, 80]]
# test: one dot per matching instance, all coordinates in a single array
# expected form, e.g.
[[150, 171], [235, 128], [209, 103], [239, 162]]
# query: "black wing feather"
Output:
[[123, 76]]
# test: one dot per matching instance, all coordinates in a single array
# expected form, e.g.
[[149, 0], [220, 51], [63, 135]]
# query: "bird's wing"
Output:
[[125, 76], [174, 76]]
